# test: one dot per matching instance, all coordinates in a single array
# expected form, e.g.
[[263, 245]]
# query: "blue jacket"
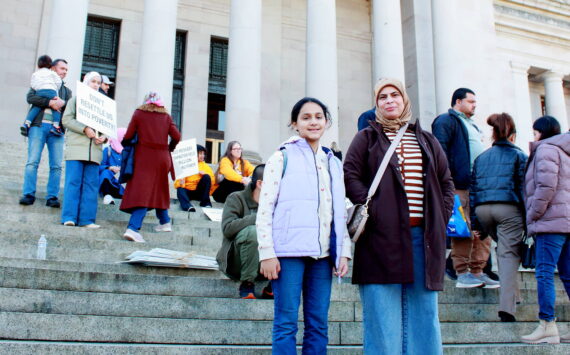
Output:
[[498, 176], [365, 118], [454, 139]]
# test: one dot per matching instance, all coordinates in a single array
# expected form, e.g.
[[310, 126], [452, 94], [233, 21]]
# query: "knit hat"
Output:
[[153, 98], [394, 124]]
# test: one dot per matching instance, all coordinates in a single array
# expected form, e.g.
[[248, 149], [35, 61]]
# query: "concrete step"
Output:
[[93, 281], [40, 326], [82, 348], [116, 304]]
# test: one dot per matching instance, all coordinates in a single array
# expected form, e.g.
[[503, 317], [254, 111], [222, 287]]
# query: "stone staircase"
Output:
[[83, 301]]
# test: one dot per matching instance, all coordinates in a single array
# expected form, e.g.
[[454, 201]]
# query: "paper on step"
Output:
[[214, 214], [170, 258]]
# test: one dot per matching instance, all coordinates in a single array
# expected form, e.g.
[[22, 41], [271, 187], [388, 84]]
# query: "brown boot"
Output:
[[546, 332]]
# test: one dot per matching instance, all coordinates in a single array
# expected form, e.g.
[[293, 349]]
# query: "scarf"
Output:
[[394, 124], [116, 143]]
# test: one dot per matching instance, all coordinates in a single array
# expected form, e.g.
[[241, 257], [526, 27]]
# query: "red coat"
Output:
[[149, 186]]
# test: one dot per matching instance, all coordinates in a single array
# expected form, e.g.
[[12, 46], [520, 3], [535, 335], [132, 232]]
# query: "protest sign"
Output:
[[96, 110], [185, 159]]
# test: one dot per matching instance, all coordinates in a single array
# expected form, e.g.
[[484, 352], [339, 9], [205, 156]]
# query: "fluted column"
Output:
[[66, 36], [243, 90], [321, 79], [523, 118], [388, 47], [156, 60], [554, 98]]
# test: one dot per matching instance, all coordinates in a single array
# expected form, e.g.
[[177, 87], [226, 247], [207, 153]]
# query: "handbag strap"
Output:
[[384, 163]]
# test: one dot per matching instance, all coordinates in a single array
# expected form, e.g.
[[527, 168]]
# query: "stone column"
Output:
[[523, 115], [387, 44], [243, 90], [554, 98], [66, 36], [156, 63], [321, 78]]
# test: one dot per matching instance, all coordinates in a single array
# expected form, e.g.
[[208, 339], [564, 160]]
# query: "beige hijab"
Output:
[[392, 125]]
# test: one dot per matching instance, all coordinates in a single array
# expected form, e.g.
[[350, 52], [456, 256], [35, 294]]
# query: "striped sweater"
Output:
[[410, 161]]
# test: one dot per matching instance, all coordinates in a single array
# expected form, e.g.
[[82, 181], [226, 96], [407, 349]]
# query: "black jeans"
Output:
[[107, 188], [225, 188], [202, 194]]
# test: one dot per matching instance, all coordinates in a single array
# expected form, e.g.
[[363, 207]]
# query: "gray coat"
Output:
[[547, 186]]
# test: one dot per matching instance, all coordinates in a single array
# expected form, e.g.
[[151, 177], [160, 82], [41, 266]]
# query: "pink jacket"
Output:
[[547, 186]]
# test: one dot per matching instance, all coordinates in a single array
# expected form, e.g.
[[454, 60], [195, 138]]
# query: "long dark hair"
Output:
[[548, 126], [228, 155], [297, 108]]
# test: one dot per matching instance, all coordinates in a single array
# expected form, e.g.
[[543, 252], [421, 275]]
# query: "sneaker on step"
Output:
[[166, 227], [53, 202], [108, 200], [69, 224], [267, 292], [467, 280], [91, 226], [133, 236], [247, 290], [489, 282], [546, 332]]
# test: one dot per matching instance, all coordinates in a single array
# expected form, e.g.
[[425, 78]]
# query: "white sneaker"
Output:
[[108, 200], [166, 227], [489, 282], [133, 236], [91, 226], [69, 223]]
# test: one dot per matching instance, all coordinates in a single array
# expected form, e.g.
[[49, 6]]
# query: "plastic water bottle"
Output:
[[42, 246]]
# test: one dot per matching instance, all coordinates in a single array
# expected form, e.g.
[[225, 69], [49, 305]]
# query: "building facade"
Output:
[[232, 69]]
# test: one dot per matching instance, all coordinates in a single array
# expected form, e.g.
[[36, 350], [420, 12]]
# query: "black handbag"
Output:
[[528, 252], [128, 159]]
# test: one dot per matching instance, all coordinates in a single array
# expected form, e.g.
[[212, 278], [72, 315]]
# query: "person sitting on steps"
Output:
[[238, 257], [197, 186]]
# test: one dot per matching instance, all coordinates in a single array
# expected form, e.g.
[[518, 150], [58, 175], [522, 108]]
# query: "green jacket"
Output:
[[77, 145], [240, 211]]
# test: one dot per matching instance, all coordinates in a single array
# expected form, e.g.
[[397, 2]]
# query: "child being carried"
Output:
[[46, 83]]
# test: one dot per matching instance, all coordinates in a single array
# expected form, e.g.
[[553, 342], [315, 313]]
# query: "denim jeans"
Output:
[[80, 192], [551, 249], [402, 318], [38, 137], [138, 214], [312, 278]]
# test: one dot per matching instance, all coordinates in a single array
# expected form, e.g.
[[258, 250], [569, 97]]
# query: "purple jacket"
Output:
[[295, 218], [547, 186]]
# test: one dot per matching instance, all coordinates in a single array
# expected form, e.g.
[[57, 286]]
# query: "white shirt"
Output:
[[45, 79], [270, 193]]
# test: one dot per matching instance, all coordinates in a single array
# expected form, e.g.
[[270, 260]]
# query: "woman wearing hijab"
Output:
[[82, 157], [399, 260], [109, 186], [148, 188]]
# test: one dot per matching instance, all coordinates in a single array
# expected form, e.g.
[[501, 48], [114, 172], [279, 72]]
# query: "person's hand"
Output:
[[245, 181], [56, 103], [476, 234], [270, 268], [115, 169], [100, 140], [342, 267], [202, 172], [89, 132]]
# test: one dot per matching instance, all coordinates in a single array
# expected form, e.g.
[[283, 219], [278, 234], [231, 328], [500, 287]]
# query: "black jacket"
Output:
[[43, 102], [454, 139], [498, 176]]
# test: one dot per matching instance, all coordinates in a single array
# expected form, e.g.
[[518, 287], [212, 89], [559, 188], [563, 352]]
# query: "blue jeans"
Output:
[[551, 249], [48, 94], [80, 192], [312, 277], [138, 214], [37, 138], [402, 318]]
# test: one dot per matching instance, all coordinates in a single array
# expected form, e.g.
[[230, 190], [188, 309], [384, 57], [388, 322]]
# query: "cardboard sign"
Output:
[[96, 110], [185, 159]]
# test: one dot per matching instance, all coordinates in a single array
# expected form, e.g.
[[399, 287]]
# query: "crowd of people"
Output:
[[286, 222]]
